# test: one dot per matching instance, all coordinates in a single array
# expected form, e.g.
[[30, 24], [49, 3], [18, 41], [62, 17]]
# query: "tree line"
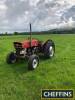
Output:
[[40, 33]]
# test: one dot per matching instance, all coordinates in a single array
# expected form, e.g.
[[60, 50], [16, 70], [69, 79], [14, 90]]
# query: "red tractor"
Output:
[[31, 49]]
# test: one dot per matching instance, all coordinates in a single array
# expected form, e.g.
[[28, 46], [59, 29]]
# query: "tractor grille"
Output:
[[18, 45]]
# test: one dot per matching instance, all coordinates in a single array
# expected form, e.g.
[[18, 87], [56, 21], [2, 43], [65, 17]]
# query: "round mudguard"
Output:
[[33, 62], [49, 49], [11, 58]]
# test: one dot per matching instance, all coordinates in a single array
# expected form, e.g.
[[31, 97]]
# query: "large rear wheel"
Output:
[[49, 49]]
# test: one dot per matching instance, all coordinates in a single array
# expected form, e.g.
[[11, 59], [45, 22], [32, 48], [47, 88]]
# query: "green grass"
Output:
[[17, 83]]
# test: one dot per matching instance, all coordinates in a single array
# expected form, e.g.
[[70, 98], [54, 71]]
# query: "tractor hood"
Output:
[[27, 43]]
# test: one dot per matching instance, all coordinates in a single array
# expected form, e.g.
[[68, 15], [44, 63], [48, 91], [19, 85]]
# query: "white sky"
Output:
[[15, 15]]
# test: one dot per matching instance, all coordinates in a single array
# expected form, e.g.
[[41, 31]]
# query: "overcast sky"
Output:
[[15, 15]]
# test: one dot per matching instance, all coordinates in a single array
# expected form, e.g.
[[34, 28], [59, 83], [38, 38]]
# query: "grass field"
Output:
[[17, 83]]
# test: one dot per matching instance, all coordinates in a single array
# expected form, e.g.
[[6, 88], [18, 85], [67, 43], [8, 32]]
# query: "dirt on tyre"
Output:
[[49, 49], [33, 62], [11, 58]]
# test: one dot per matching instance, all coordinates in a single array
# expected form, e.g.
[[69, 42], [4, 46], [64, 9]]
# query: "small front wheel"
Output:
[[11, 58], [33, 62]]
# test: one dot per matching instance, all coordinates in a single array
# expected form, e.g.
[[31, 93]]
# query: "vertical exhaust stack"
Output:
[[30, 35]]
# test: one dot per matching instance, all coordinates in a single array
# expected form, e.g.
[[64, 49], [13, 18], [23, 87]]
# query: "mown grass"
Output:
[[17, 83]]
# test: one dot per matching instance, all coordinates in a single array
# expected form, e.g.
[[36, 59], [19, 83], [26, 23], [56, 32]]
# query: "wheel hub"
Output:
[[35, 63], [51, 51]]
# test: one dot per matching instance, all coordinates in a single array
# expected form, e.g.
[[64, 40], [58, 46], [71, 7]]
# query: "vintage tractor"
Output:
[[31, 49]]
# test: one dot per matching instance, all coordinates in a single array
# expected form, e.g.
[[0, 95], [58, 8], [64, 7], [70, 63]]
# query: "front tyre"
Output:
[[11, 58], [33, 62]]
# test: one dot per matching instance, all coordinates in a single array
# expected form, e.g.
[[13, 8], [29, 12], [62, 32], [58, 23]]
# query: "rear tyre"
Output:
[[11, 58], [33, 62], [49, 49]]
